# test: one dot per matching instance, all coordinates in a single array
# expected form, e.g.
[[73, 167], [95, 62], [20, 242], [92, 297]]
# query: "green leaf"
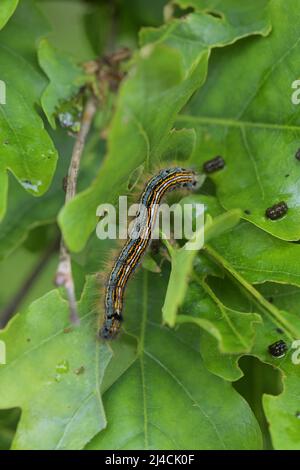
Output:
[[7, 9], [255, 254], [260, 257], [259, 378], [234, 330], [234, 10], [234, 17], [41, 344], [66, 78], [223, 365], [167, 380], [61, 400], [164, 75], [250, 120], [24, 213], [182, 262], [25, 147], [179, 145], [234, 246], [68, 29], [290, 324], [153, 374], [226, 293], [282, 411], [150, 264]]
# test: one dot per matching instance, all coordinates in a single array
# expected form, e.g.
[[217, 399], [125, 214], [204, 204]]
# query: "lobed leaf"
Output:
[[65, 75], [25, 147], [245, 114], [139, 411], [43, 353], [182, 262], [164, 74]]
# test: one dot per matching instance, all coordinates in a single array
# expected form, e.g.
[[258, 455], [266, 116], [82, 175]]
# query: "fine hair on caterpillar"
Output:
[[138, 241]]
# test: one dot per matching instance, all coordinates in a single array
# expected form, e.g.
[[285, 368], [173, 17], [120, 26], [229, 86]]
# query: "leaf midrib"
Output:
[[188, 394], [230, 122], [141, 354]]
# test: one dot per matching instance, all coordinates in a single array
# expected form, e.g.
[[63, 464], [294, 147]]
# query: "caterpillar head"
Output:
[[111, 326]]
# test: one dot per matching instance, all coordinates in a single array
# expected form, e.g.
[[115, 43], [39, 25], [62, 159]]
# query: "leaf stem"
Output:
[[64, 277], [260, 301]]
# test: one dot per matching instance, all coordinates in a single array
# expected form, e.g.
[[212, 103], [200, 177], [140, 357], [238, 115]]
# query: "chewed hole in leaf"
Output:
[[8, 421], [266, 380]]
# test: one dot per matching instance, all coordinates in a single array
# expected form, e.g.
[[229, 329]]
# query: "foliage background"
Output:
[[206, 78]]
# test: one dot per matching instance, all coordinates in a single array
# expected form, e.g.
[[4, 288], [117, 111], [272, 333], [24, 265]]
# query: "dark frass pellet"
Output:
[[213, 165], [277, 211], [297, 154], [278, 349]]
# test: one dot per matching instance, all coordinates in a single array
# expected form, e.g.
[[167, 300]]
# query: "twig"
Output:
[[12, 307], [64, 275], [86, 121]]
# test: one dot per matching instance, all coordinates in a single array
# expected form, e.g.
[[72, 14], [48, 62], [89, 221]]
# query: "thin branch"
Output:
[[14, 304], [64, 277], [86, 121]]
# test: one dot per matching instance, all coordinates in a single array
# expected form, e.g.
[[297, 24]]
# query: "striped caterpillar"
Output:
[[140, 238]]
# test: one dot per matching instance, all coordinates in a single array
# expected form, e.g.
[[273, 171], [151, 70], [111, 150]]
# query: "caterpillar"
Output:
[[140, 237]]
